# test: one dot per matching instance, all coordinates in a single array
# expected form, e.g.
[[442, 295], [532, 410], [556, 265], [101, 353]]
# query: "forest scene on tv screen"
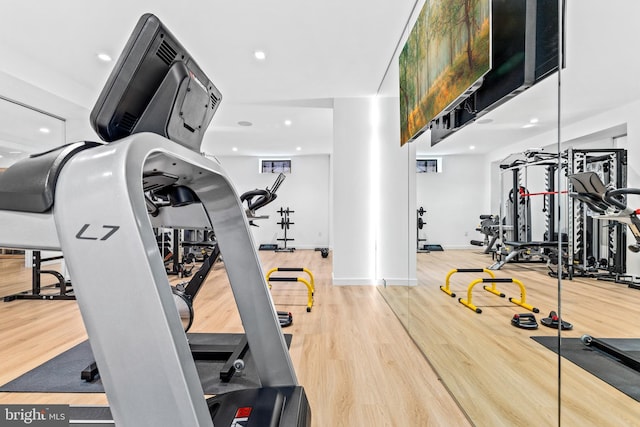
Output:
[[448, 50]]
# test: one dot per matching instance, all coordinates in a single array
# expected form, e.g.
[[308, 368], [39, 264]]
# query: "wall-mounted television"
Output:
[[526, 41], [443, 61], [524, 51], [547, 18]]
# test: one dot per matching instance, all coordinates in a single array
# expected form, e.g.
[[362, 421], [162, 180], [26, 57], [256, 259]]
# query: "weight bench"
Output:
[[520, 248]]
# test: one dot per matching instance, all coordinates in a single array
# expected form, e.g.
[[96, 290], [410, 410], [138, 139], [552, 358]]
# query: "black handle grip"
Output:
[[498, 280], [283, 279]]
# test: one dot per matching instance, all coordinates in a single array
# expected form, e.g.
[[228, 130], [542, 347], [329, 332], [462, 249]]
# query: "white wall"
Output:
[[305, 191], [454, 199]]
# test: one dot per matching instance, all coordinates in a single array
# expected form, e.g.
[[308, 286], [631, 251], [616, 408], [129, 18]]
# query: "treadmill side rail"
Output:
[[25, 230], [122, 288]]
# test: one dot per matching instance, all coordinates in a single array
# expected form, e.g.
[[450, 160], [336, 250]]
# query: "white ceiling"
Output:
[[316, 51]]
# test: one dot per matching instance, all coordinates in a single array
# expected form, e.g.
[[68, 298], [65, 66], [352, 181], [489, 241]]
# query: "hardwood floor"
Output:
[[357, 363], [500, 376]]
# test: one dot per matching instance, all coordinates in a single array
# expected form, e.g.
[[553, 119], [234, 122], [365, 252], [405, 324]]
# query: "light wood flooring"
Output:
[[498, 374], [357, 363]]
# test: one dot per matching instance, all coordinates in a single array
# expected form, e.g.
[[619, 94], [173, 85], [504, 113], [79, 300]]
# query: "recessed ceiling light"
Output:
[[472, 147], [104, 57], [298, 148], [234, 149], [484, 121], [15, 152], [534, 120], [260, 55], [287, 122], [245, 123], [45, 130], [528, 125]]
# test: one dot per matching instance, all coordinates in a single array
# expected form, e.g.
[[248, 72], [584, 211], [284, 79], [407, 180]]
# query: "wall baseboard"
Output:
[[400, 282], [342, 281]]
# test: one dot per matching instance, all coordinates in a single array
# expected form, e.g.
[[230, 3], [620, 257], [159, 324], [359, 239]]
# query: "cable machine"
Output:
[[597, 246], [515, 230]]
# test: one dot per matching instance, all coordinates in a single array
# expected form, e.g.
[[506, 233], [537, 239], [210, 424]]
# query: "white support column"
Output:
[[353, 244], [372, 192]]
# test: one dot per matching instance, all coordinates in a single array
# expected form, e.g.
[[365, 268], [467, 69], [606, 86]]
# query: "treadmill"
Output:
[[88, 200]]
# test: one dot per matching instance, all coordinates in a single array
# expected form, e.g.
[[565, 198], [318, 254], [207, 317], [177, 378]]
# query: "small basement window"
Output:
[[275, 166], [428, 165]]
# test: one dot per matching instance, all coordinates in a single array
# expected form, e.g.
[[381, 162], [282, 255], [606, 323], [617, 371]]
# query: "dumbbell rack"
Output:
[[284, 223]]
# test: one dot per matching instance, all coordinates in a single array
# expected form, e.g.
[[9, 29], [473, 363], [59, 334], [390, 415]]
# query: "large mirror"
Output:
[[25, 130], [600, 96], [496, 196]]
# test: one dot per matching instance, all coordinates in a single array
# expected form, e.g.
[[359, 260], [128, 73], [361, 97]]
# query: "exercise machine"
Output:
[[608, 204], [185, 293], [515, 232], [258, 198], [170, 247], [597, 245], [64, 289], [88, 200], [519, 250], [490, 228]]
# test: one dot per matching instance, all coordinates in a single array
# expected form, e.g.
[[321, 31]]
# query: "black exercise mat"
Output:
[[62, 373], [600, 364]]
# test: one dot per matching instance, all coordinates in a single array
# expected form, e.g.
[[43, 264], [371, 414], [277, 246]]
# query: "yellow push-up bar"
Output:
[[289, 269], [522, 302], [310, 284], [447, 290]]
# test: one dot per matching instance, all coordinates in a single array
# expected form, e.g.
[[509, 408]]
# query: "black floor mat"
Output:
[[600, 364], [62, 373]]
